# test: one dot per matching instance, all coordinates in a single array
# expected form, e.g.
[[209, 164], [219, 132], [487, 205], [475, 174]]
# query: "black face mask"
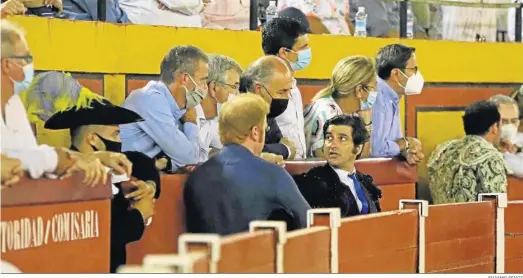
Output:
[[110, 146], [278, 106]]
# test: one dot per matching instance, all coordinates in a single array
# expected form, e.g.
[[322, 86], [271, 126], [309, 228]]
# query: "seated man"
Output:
[[338, 183], [512, 140], [461, 169], [96, 128], [224, 81], [236, 187], [167, 106], [270, 78]]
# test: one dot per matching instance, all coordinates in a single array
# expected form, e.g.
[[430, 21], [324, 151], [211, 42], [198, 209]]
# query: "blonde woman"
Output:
[[352, 90]]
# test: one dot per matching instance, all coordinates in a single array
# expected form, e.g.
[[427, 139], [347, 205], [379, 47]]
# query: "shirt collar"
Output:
[[343, 173], [387, 91], [162, 88]]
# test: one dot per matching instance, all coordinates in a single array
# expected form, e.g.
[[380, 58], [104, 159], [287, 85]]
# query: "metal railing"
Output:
[[404, 7], [253, 12]]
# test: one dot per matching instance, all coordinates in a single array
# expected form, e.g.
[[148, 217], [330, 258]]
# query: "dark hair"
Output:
[[245, 84], [281, 32], [181, 59], [360, 134], [292, 12], [393, 56], [479, 117]]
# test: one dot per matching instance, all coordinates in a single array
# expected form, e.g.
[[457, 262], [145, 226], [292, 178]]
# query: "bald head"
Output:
[[268, 77]]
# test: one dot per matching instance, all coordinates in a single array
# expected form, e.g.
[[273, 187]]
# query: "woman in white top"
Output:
[[352, 90], [332, 13]]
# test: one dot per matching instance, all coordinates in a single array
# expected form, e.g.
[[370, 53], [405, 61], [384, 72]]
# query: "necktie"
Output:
[[360, 194]]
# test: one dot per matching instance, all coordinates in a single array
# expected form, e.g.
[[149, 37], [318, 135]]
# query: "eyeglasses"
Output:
[[234, 87], [27, 58], [415, 69]]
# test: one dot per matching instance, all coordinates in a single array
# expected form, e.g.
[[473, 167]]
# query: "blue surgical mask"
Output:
[[304, 59], [371, 99], [23, 85]]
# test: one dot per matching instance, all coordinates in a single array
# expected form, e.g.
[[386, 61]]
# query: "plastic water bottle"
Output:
[[410, 24], [361, 23], [271, 11]]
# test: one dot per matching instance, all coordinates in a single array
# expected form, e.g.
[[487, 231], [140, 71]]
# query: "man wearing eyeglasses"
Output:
[[223, 84], [398, 76]]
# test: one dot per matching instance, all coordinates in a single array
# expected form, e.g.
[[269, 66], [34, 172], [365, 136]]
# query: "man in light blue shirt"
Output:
[[169, 132], [398, 75]]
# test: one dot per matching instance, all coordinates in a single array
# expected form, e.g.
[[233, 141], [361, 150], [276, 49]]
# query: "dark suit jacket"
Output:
[[235, 187], [322, 188], [272, 140]]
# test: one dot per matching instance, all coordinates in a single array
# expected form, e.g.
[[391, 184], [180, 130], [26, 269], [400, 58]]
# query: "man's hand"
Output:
[[93, 169], [161, 163], [55, 3], [273, 158], [13, 7], [414, 157], [190, 116], [12, 171], [414, 144], [144, 190], [118, 162], [146, 207], [506, 146], [290, 145]]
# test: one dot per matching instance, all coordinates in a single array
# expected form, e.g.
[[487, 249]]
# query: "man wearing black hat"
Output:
[[95, 127]]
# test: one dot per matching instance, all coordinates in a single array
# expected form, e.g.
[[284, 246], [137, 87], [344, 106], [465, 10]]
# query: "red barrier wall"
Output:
[[514, 237], [47, 226]]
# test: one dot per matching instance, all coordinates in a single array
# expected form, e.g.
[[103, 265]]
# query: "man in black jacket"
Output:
[[270, 78], [338, 183], [95, 127]]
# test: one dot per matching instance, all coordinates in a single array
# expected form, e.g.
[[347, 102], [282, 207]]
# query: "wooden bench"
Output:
[[56, 226], [514, 237]]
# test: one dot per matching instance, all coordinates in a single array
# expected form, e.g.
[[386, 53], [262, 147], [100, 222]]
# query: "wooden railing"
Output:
[[56, 226]]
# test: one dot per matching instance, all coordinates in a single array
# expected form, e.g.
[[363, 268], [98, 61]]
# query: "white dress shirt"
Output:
[[209, 135], [515, 161], [344, 178], [291, 122], [147, 12], [18, 141]]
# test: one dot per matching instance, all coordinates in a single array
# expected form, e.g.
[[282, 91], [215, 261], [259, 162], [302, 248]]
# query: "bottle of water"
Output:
[[410, 24], [361, 23], [271, 11]]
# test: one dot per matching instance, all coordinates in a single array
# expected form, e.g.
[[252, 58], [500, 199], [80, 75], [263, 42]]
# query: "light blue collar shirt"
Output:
[[162, 129], [386, 124]]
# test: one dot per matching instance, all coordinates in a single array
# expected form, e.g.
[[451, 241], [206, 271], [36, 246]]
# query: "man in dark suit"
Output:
[[95, 127], [338, 183], [235, 186], [270, 78]]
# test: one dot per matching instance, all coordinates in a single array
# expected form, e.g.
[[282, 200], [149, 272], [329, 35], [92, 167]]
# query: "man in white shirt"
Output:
[[512, 140], [287, 38], [223, 82], [18, 140]]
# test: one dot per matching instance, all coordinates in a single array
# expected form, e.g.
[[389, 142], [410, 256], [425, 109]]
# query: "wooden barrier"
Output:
[[161, 237], [514, 237], [193, 262], [48, 225], [515, 188], [248, 252], [460, 238], [396, 179], [384, 242]]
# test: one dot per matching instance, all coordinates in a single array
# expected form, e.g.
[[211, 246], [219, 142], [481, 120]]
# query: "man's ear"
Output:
[[212, 88]]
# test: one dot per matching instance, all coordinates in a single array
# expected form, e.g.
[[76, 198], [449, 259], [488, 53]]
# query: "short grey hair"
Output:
[[181, 59], [259, 72], [10, 33], [219, 65], [503, 99]]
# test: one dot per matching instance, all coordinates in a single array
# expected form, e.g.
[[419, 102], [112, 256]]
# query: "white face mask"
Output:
[[414, 84], [509, 132]]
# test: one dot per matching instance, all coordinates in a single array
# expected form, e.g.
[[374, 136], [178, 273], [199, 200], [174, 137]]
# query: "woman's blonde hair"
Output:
[[347, 74], [238, 116]]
